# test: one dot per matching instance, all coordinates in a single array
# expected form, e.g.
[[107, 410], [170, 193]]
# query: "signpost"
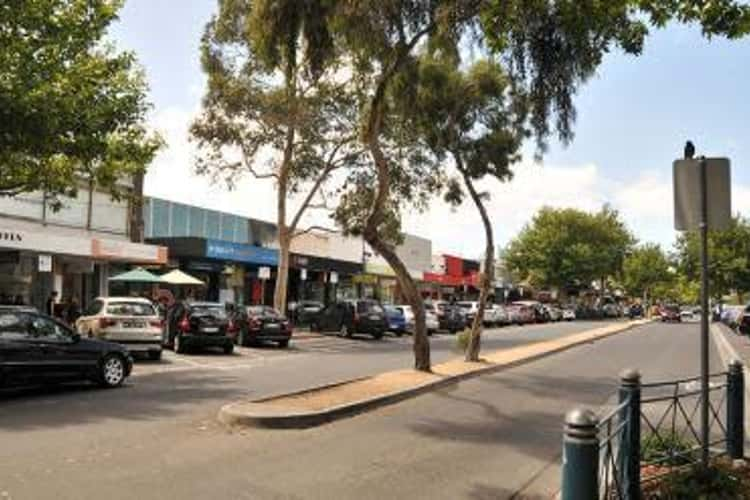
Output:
[[264, 273], [702, 201]]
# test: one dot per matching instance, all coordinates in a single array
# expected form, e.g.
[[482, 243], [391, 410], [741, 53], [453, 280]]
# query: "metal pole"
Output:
[[629, 456], [736, 410], [704, 313], [580, 470]]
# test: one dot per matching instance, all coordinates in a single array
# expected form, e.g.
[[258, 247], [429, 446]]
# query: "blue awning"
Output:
[[238, 252]]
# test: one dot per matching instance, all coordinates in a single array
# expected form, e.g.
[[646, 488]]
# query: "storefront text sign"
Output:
[[45, 263], [264, 273], [238, 252]]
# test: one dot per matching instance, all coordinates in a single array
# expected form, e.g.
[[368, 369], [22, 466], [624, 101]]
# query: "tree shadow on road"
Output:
[[140, 399]]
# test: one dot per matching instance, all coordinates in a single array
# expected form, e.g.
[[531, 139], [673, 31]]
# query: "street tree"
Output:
[[471, 117], [729, 265], [72, 108], [646, 268], [564, 247], [275, 109]]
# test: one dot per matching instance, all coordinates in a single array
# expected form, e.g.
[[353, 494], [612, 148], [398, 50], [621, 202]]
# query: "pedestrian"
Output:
[[74, 311], [49, 307]]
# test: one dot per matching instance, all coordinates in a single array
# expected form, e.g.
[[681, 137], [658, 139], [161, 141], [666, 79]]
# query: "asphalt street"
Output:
[[158, 437]]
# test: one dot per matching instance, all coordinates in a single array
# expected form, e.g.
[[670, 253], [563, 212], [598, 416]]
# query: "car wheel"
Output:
[[314, 327], [284, 343], [112, 371], [229, 348], [154, 355], [377, 335], [178, 344]]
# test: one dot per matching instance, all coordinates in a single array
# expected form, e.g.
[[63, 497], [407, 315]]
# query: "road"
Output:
[[158, 437]]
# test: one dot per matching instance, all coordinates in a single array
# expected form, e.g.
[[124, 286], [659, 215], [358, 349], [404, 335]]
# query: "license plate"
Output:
[[272, 326], [211, 329], [374, 317], [133, 324]]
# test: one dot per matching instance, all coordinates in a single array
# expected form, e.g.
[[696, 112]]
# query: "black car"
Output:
[[450, 317], [305, 311], [192, 325], [352, 316], [38, 349], [635, 311], [263, 323]]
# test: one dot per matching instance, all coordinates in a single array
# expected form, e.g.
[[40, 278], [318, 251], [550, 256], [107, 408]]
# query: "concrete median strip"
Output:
[[316, 406]]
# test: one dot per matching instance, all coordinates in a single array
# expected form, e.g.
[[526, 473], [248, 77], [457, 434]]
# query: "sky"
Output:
[[633, 120]]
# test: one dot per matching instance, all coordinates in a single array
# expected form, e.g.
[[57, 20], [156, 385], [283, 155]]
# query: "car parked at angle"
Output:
[[522, 313], [195, 325], [470, 308], [38, 349], [396, 319], [494, 315], [431, 318], [569, 314], [304, 311], [743, 321], [258, 324], [538, 311], [349, 317], [450, 317], [553, 312], [635, 311], [131, 321], [732, 316]]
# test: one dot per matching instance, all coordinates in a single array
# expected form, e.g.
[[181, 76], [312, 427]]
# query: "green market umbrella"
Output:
[[137, 275]]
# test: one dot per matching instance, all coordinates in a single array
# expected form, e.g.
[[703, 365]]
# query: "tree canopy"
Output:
[[564, 247], [645, 269], [71, 107]]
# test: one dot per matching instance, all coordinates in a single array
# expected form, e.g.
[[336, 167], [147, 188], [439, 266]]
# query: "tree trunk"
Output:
[[282, 274], [475, 339], [413, 298]]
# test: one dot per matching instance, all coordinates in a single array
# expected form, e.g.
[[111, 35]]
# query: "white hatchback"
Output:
[[431, 321], [131, 321]]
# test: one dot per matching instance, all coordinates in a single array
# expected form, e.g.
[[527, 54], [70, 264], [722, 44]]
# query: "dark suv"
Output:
[[199, 324], [352, 316]]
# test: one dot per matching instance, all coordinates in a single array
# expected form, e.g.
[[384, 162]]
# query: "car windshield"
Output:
[[131, 309], [366, 307], [216, 311]]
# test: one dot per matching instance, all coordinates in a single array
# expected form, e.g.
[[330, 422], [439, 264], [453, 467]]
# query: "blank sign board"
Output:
[[686, 175]]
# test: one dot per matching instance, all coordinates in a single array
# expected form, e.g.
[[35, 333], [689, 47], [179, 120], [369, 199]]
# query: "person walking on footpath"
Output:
[[49, 307]]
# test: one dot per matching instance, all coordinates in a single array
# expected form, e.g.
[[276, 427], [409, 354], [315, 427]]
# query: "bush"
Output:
[[717, 482], [462, 339], [668, 449]]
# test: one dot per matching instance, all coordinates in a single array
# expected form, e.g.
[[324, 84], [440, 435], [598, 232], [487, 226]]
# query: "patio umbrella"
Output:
[[137, 275], [178, 277]]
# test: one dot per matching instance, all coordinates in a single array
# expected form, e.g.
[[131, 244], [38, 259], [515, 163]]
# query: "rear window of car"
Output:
[[130, 309], [13, 325], [465, 305], [208, 310], [364, 307], [266, 311]]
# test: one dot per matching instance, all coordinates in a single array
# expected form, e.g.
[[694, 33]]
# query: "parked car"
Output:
[[635, 311], [38, 349], [470, 309], [349, 317], [494, 315], [568, 314], [263, 323], [554, 312], [192, 325], [431, 318], [450, 317], [396, 319], [408, 316], [304, 311], [743, 325], [670, 312], [732, 316], [538, 311], [521, 313], [686, 314], [130, 321]]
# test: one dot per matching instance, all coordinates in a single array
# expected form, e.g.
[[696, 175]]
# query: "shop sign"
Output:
[[127, 251], [333, 277], [264, 273], [45, 263], [365, 279], [238, 252], [303, 274], [10, 236]]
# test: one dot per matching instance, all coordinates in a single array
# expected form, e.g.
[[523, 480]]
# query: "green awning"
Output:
[[137, 275]]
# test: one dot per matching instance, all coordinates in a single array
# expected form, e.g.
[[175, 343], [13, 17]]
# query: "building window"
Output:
[[180, 215], [227, 227], [160, 222], [213, 225], [197, 222]]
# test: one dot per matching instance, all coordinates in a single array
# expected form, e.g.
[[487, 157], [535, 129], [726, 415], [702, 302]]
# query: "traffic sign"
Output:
[[687, 193]]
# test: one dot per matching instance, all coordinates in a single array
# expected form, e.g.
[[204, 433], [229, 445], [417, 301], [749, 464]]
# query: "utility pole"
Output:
[[704, 311]]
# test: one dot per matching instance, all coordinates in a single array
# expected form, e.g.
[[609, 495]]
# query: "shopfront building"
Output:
[[322, 279]]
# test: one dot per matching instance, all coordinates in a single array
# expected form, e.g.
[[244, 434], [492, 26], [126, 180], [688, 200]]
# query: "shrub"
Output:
[[462, 339], [718, 482], [667, 449]]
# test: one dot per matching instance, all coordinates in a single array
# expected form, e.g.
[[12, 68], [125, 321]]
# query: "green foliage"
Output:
[[70, 106], [561, 247], [717, 482], [645, 268], [667, 449], [729, 252], [462, 339]]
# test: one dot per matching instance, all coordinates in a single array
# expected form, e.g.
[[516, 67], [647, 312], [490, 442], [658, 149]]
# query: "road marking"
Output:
[[728, 353]]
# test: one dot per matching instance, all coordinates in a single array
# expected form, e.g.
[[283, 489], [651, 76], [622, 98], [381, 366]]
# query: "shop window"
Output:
[[197, 222], [227, 227], [160, 218], [180, 214], [213, 225]]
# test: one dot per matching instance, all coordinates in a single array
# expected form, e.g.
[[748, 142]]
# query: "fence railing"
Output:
[[650, 433]]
